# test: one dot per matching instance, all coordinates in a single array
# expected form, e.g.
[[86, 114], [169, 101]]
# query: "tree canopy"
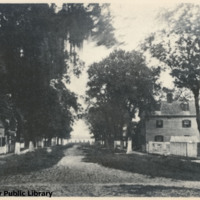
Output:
[[118, 87], [37, 47], [178, 46]]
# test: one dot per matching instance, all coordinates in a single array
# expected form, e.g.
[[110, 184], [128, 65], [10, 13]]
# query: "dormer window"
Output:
[[185, 106], [159, 123], [169, 98], [186, 123], [157, 107]]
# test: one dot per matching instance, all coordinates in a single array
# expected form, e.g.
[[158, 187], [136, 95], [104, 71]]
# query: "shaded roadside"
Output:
[[31, 161], [153, 166], [99, 190], [68, 175]]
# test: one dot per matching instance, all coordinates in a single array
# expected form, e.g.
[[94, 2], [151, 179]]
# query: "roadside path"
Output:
[[73, 177], [73, 160]]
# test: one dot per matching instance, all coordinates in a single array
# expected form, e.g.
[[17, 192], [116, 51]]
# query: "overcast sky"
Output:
[[133, 22]]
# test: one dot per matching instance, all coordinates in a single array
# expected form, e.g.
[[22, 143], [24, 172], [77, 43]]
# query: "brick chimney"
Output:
[[169, 97]]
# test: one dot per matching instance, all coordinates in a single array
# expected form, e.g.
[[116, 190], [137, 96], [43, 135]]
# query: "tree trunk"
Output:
[[31, 146], [115, 144], [42, 143], [57, 142], [17, 147], [60, 141], [129, 145], [106, 143], [109, 142], [18, 132], [121, 144], [196, 98], [6, 144], [36, 144], [49, 142]]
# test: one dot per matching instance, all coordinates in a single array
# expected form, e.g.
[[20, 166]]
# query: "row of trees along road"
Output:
[[178, 47], [119, 86], [122, 84], [37, 47]]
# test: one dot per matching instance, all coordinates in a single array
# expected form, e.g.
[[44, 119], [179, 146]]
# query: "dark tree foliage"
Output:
[[178, 46], [119, 86], [37, 47]]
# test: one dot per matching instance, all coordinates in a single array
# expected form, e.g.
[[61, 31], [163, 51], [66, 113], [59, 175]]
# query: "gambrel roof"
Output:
[[176, 108]]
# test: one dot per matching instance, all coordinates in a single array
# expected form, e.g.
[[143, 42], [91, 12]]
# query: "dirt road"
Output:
[[73, 177]]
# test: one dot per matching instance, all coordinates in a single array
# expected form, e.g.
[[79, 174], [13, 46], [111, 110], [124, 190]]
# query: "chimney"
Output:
[[169, 97]]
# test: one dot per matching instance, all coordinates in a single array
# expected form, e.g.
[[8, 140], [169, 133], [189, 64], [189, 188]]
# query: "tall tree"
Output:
[[119, 86], [38, 45], [178, 46]]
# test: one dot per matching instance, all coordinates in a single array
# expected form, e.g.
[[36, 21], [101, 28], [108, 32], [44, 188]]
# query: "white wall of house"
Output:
[[2, 132], [162, 148], [184, 149], [172, 126]]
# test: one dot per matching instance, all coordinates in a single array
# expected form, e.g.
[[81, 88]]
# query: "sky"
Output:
[[132, 20], [132, 23]]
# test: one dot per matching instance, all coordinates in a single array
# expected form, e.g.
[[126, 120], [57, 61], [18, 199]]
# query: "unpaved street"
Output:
[[73, 177]]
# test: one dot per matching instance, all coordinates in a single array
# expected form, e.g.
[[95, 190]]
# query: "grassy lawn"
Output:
[[151, 165], [31, 161]]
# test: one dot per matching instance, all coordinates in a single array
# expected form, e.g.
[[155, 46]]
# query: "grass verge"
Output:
[[31, 161], [151, 165]]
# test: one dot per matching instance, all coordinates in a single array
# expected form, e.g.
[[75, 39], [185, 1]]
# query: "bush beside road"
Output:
[[31, 161], [178, 168]]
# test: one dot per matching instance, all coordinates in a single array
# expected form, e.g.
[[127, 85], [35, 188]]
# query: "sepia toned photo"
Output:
[[100, 99]]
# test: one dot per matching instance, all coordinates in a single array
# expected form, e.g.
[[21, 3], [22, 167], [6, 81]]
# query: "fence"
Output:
[[78, 141], [162, 148], [183, 149]]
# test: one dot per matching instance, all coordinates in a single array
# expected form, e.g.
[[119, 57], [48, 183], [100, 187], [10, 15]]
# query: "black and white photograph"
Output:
[[100, 99]]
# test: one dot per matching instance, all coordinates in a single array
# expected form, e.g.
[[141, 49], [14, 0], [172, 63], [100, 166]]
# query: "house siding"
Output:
[[172, 126], [183, 149], [2, 132]]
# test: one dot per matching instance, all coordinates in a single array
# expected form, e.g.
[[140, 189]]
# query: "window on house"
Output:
[[186, 123], [159, 123], [2, 141], [157, 107], [185, 106], [159, 138]]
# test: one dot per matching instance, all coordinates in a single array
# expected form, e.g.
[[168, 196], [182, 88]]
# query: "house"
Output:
[[171, 118], [2, 138], [7, 139]]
